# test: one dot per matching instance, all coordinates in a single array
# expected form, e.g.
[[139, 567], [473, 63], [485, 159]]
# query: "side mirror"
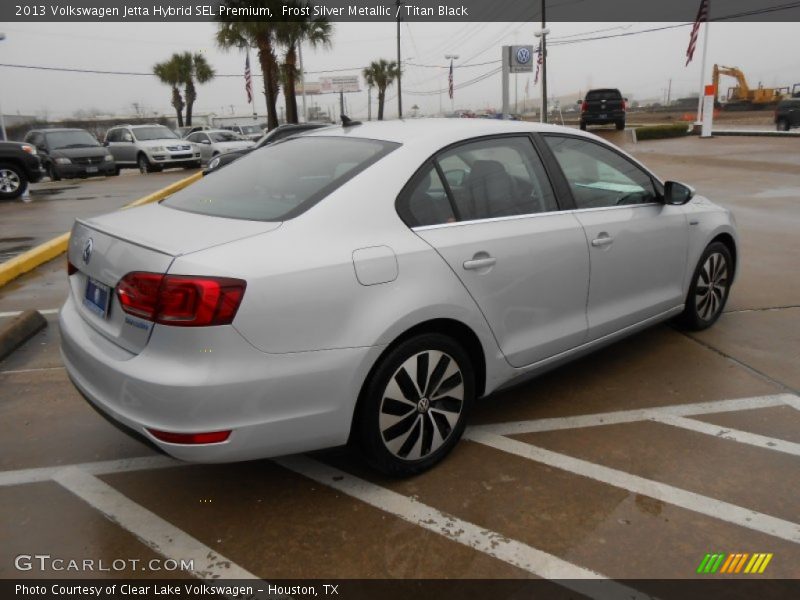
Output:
[[41, 149], [677, 194]]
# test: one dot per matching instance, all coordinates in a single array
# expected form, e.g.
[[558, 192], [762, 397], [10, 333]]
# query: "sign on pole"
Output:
[[520, 59]]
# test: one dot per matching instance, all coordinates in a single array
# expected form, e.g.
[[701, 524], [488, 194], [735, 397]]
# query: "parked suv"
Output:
[[601, 107], [787, 114], [19, 165], [150, 148], [70, 153]]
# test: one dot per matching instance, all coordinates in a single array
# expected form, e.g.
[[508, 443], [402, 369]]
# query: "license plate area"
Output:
[[91, 169], [97, 298], [604, 116]]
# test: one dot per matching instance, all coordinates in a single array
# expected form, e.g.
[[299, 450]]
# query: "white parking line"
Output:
[[36, 370], [698, 503], [155, 532], [735, 435], [15, 313], [489, 542], [106, 467], [632, 416]]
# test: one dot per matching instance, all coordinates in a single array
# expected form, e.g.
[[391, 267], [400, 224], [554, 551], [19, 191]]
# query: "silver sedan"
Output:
[[367, 283]]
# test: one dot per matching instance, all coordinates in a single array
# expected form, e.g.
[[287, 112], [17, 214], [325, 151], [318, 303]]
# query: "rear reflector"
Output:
[[210, 437], [181, 300]]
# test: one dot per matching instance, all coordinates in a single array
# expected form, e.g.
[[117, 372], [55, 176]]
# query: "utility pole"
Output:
[[544, 62], [341, 101], [399, 4], [669, 92], [2, 119]]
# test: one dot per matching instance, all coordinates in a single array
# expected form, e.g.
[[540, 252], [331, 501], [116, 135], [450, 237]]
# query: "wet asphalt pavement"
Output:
[[631, 463]]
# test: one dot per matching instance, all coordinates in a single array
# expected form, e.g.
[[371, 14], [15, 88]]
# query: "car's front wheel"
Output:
[[415, 404], [52, 173], [710, 287], [12, 181], [783, 124]]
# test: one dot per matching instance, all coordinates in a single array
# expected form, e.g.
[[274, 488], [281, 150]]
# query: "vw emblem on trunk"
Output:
[[87, 251]]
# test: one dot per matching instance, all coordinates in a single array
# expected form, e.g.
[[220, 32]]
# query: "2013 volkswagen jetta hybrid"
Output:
[[367, 283]]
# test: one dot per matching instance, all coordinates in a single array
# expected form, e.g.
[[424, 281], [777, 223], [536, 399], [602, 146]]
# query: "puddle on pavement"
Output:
[[12, 246]]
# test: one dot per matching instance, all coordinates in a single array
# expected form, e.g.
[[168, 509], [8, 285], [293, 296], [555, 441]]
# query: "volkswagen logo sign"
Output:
[[523, 55], [87, 251]]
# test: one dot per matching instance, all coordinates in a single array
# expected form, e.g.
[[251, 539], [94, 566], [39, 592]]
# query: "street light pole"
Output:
[[2, 118], [543, 34], [399, 4], [451, 58]]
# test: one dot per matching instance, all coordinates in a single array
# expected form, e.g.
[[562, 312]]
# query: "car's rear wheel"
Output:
[[415, 404], [783, 124], [710, 287], [583, 126], [12, 181], [620, 125]]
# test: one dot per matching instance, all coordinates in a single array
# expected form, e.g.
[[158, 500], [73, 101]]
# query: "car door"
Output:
[[637, 244], [204, 143], [488, 208]]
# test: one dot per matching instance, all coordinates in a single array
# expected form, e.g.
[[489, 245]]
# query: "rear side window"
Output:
[[426, 203], [280, 181]]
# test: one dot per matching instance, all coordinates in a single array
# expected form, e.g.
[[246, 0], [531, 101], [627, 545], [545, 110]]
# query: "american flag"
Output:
[[702, 17], [539, 59], [450, 81], [248, 80]]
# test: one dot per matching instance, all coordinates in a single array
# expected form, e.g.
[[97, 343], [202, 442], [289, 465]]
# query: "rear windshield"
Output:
[[603, 95], [280, 181]]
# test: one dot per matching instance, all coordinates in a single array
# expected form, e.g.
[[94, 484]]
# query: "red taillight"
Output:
[[71, 269], [181, 300], [584, 106], [209, 437]]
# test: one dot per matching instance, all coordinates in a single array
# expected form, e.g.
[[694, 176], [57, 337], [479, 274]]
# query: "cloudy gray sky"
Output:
[[641, 65]]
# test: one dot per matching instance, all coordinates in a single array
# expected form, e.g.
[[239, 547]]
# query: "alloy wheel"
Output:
[[143, 165], [712, 285], [421, 405], [9, 181]]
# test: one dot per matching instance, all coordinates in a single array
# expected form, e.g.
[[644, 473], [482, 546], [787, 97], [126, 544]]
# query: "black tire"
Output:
[[620, 125], [420, 424], [783, 124], [13, 181], [115, 172], [144, 164], [583, 126], [704, 303], [52, 173]]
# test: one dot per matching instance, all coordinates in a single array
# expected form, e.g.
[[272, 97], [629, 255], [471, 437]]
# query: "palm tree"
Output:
[[381, 74], [170, 73], [317, 32], [260, 35], [194, 68]]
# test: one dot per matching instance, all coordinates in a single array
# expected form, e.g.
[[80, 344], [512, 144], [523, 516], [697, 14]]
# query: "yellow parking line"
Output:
[[38, 255]]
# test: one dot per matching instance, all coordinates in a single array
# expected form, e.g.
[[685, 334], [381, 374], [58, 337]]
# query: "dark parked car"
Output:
[[19, 166], [787, 114], [70, 153], [279, 133], [602, 107]]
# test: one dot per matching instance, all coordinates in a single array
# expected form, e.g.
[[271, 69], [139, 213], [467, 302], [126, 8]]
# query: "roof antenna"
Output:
[[348, 122]]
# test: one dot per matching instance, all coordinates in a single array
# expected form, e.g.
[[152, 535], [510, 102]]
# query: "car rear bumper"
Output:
[[189, 381], [596, 119]]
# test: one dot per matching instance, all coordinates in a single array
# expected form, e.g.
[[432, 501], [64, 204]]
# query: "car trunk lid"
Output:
[[105, 249]]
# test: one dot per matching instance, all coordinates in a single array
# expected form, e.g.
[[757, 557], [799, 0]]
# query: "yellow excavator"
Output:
[[743, 97]]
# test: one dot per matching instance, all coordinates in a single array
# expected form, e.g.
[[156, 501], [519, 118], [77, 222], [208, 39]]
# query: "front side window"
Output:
[[497, 178], [599, 177], [223, 136], [281, 181]]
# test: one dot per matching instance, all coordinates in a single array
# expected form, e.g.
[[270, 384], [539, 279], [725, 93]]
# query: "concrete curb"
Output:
[[27, 261], [19, 330]]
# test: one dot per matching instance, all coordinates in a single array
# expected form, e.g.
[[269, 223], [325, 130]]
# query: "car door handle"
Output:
[[479, 263], [603, 240]]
